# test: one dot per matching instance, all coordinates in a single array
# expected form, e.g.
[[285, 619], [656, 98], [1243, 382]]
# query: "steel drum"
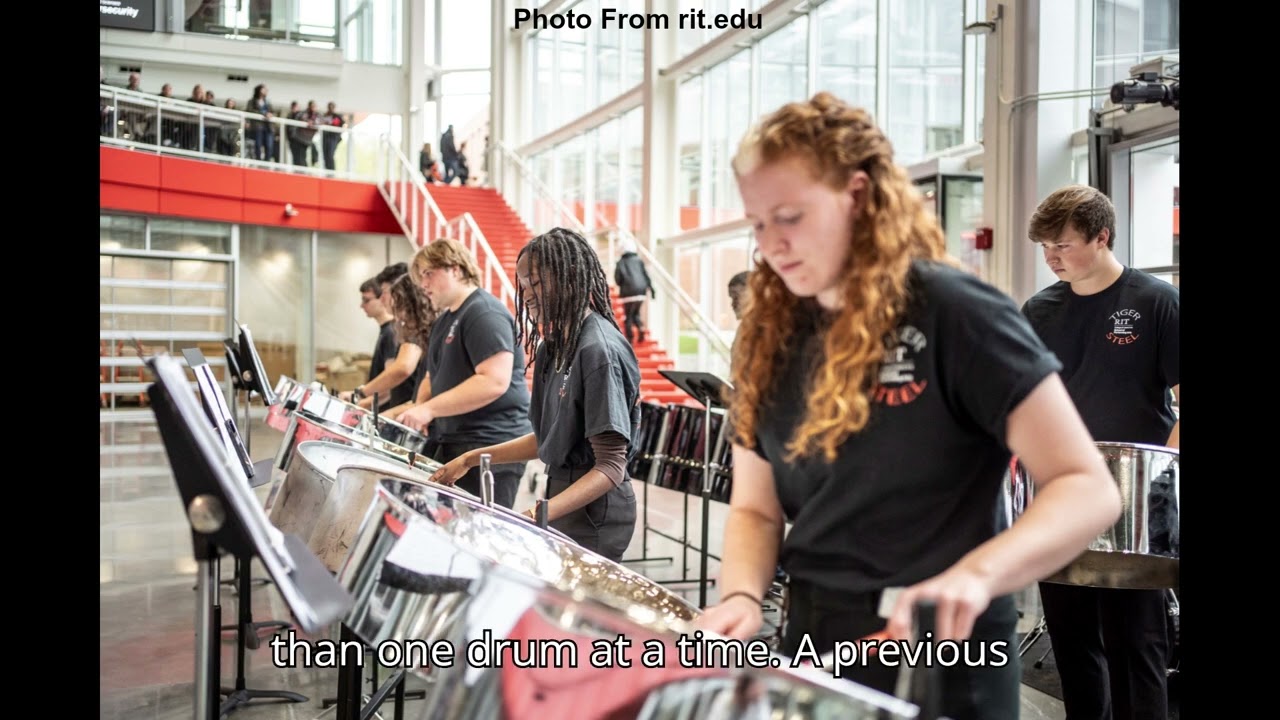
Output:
[[329, 407], [427, 568], [356, 430], [1140, 551], [295, 506], [288, 394]]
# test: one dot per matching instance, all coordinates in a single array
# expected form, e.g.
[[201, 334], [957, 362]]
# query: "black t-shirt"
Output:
[[598, 393], [481, 328], [384, 352], [917, 489], [1119, 352]]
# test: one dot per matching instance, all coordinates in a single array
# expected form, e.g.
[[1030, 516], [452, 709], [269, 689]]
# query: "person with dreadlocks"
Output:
[[879, 390], [586, 390], [475, 369]]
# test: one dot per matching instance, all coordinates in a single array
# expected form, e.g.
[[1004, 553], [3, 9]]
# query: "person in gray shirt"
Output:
[[586, 390]]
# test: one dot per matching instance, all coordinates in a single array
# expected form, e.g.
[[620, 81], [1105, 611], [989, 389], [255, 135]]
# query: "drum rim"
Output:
[[1138, 446], [394, 501]]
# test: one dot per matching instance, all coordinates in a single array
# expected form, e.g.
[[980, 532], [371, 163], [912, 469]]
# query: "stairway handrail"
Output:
[[669, 284], [507, 292], [474, 237]]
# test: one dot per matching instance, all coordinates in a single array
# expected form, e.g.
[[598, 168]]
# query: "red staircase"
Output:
[[506, 234]]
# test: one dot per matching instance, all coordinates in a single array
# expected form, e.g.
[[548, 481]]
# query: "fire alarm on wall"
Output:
[[982, 238]]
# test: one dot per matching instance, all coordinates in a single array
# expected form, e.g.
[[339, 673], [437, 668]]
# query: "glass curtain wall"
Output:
[[907, 62]]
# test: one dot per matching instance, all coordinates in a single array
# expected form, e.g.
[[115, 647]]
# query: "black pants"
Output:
[[604, 525], [506, 478], [631, 318], [1111, 647], [299, 151], [987, 685]]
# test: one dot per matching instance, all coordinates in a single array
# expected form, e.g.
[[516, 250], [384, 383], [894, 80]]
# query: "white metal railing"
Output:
[[405, 190], [178, 127], [666, 282]]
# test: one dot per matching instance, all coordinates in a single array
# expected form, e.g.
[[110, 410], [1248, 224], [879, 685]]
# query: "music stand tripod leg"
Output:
[[243, 695]]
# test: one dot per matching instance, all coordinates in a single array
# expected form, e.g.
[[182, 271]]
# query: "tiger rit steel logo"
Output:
[[1124, 327], [898, 384], [452, 329]]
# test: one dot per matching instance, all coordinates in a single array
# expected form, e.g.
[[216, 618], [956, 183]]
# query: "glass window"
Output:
[[372, 32], [784, 66], [571, 77], [633, 168], [690, 140], [1154, 216], [343, 262], [275, 298], [465, 33], [573, 172], [847, 51], [190, 236], [117, 232], [925, 113], [1129, 32], [607, 174], [544, 104]]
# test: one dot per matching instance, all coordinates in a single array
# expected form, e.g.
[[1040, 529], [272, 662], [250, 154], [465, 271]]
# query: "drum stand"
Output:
[[241, 695], [349, 692], [208, 705]]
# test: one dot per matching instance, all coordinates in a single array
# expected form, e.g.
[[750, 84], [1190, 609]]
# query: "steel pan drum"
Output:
[[426, 568], [304, 426], [329, 407], [1141, 550], [297, 503], [289, 393]]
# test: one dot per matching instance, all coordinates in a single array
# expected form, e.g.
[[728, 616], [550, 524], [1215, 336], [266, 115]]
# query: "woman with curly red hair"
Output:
[[879, 392]]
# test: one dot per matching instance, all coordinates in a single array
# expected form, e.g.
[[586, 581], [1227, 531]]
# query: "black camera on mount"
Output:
[[1143, 89]]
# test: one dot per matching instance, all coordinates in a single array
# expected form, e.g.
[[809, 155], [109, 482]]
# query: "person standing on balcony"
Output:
[[330, 139], [475, 368], [632, 279], [586, 389], [262, 131], [300, 143]]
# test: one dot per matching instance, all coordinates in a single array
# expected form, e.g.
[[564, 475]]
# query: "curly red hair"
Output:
[[891, 229]]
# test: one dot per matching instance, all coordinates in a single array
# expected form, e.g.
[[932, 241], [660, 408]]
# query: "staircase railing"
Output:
[[405, 190], [657, 272]]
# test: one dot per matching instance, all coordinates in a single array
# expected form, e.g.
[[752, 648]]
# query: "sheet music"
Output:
[[211, 393]]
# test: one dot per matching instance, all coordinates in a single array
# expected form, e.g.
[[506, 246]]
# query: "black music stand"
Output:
[[225, 517], [708, 390]]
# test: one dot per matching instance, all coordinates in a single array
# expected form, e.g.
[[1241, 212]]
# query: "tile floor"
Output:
[[147, 598]]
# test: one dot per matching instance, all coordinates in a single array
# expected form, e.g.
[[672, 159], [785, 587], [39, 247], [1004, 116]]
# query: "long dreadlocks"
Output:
[[570, 267]]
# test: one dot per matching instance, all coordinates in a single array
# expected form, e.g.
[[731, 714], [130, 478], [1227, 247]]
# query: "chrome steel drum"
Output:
[[297, 502], [424, 568], [289, 393], [352, 493], [304, 426], [388, 606], [1141, 550], [329, 407]]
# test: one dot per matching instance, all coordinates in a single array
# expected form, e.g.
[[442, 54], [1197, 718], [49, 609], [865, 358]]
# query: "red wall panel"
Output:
[[142, 182]]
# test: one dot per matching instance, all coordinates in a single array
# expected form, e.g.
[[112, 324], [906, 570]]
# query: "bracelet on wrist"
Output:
[[742, 593]]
